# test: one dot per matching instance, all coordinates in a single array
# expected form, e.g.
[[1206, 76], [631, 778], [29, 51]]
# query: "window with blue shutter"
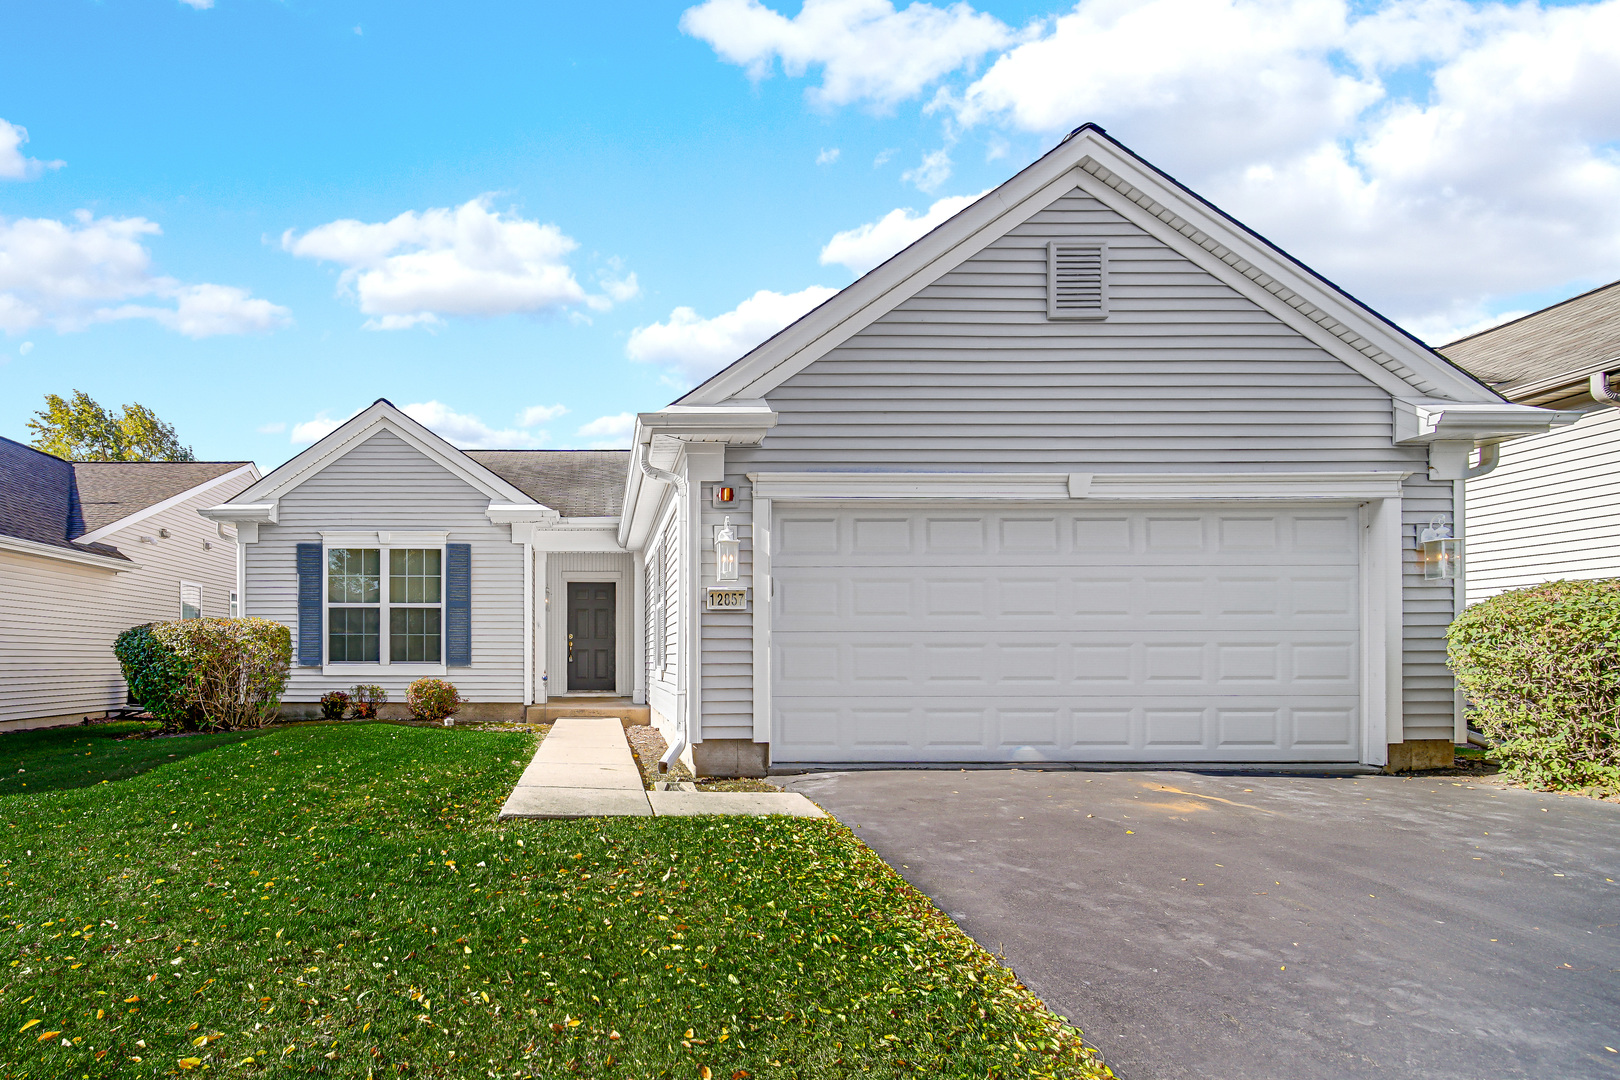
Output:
[[309, 605], [458, 605]]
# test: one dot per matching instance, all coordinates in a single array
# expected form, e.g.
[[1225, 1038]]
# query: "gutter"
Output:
[[676, 749]]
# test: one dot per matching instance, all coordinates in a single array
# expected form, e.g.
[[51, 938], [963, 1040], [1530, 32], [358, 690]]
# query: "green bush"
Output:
[[1541, 668], [432, 699], [334, 705], [207, 674], [367, 696]]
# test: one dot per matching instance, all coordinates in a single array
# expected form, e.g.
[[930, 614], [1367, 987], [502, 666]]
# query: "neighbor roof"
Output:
[[1573, 338], [51, 501], [575, 483]]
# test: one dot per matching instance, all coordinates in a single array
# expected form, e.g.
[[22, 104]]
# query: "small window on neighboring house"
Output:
[[190, 600], [1076, 281], [235, 608]]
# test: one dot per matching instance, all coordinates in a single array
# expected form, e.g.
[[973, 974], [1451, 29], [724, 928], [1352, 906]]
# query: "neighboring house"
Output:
[[89, 549], [1088, 473], [1551, 507]]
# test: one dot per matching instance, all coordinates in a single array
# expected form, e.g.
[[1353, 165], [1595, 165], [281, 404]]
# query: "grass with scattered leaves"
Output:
[[338, 899]]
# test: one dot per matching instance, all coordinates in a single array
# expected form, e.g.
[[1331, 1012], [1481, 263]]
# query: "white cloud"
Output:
[[829, 157], [932, 171], [609, 432], [696, 347], [620, 290], [883, 157], [1435, 157], [467, 431], [13, 165], [25, 348], [536, 415], [469, 260], [314, 430], [69, 275], [275, 428], [865, 48], [199, 5], [865, 246]]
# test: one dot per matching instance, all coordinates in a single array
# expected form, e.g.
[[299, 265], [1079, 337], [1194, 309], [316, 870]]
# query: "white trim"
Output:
[[360, 671], [1048, 487], [396, 538], [184, 585], [1154, 201], [638, 620], [1459, 600], [1382, 630], [349, 538], [506, 513], [50, 551], [381, 415], [158, 507], [542, 688], [528, 624], [764, 596], [242, 514]]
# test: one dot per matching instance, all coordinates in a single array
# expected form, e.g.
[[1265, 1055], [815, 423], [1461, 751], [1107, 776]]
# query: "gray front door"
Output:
[[591, 644]]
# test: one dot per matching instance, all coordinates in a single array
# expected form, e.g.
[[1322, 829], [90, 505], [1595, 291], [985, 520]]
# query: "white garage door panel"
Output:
[[951, 635]]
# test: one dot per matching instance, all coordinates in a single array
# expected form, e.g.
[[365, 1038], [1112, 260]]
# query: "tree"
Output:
[[79, 429]]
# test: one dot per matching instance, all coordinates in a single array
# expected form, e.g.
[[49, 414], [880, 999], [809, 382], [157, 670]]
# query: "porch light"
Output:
[[1440, 553], [726, 547]]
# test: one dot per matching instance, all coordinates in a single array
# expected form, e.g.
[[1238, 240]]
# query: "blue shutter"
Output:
[[309, 605], [458, 605]]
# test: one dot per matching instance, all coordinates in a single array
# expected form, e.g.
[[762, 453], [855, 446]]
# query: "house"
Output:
[[1090, 472], [1551, 506], [89, 549]]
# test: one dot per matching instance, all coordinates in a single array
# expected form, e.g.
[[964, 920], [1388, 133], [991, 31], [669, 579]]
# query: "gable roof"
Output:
[[72, 504], [575, 483], [1565, 342], [1098, 164]]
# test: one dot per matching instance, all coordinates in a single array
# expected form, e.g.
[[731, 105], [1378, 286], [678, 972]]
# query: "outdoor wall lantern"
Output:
[[726, 547], [1440, 552]]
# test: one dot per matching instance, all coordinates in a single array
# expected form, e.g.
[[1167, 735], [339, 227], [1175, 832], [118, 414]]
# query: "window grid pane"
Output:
[[413, 635], [413, 576], [353, 576], [354, 636]]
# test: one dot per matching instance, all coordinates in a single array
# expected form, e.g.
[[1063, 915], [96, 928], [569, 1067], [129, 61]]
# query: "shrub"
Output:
[[1541, 667], [367, 696], [432, 699], [334, 705], [207, 674]]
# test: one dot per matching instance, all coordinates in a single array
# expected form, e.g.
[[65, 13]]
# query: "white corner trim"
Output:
[[763, 601], [158, 507], [1055, 487], [51, 551]]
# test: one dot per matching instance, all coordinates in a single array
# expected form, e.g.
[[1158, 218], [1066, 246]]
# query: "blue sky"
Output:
[[615, 184]]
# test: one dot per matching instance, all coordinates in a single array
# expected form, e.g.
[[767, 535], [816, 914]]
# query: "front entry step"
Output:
[[559, 708]]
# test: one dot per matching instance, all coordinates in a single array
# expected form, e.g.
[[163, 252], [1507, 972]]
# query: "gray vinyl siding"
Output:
[[614, 567], [384, 483], [1550, 510], [1185, 375], [58, 620], [1427, 608], [728, 636]]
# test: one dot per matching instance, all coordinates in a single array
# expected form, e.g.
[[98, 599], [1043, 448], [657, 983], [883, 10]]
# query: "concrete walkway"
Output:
[[584, 768]]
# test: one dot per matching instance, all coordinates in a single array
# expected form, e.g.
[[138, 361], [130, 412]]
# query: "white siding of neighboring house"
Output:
[[1550, 509], [562, 567], [1185, 375], [662, 681], [384, 483], [58, 620]]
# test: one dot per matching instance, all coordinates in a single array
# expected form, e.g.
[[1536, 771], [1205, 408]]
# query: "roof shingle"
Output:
[[575, 483], [1575, 337]]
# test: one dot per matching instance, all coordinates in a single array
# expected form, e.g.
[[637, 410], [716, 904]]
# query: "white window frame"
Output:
[[184, 585], [383, 542], [234, 605], [655, 615]]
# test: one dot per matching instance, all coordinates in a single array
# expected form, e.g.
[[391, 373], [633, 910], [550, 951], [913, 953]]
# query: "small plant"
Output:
[[1541, 667], [207, 674], [334, 705], [366, 697], [433, 699]]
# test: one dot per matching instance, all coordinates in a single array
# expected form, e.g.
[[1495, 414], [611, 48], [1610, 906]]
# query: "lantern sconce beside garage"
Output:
[[1440, 553], [726, 548]]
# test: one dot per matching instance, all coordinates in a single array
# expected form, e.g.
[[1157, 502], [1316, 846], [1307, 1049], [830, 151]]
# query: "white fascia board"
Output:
[[379, 416], [1429, 420], [263, 513], [20, 546], [739, 422], [158, 507], [507, 513], [1054, 487], [1305, 300]]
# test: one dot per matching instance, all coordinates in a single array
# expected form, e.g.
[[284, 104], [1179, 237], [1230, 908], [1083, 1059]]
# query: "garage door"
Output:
[[1010, 634]]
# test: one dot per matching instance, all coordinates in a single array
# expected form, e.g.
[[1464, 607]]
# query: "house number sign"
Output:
[[726, 598]]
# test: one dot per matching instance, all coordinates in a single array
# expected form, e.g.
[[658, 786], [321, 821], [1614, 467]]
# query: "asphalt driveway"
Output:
[[1278, 927]]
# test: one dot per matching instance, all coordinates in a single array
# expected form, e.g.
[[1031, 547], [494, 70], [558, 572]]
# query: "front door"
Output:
[[590, 636]]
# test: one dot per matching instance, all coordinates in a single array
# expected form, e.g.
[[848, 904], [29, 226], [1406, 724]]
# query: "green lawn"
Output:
[[339, 900]]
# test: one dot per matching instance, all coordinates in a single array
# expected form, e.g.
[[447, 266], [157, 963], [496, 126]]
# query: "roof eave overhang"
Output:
[[18, 545], [1430, 420], [738, 422], [261, 513]]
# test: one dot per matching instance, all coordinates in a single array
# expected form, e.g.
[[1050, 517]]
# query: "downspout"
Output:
[[1490, 455], [1600, 389], [655, 473]]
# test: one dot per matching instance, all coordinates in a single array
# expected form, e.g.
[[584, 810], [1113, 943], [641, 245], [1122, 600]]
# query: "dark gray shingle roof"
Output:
[[1575, 337], [575, 483], [36, 495]]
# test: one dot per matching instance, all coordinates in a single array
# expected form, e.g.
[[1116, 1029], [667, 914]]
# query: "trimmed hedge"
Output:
[[1541, 668], [207, 674]]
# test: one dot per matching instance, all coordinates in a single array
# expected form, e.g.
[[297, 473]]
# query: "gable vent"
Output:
[[1076, 281]]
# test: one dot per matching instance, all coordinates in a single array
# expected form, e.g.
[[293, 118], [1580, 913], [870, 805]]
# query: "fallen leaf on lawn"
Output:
[[48, 1035], [190, 1062], [26, 1025]]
